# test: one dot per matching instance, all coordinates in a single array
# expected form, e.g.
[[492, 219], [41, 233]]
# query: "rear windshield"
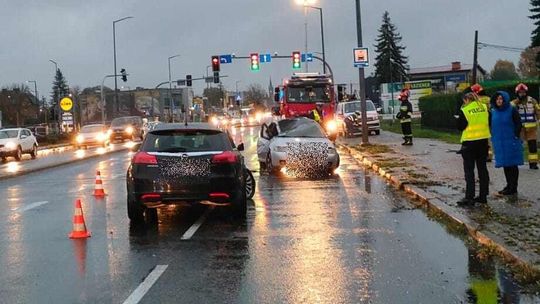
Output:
[[122, 121], [91, 129], [175, 141], [9, 134]]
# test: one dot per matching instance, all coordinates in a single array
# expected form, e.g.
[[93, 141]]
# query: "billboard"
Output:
[[417, 89]]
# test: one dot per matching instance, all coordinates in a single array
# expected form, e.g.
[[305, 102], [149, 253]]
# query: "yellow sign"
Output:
[[66, 104]]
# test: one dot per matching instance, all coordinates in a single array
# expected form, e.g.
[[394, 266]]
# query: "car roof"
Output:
[[182, 126], [94, 125]]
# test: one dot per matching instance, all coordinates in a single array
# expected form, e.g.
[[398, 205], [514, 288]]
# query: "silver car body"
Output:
[[346, 109]]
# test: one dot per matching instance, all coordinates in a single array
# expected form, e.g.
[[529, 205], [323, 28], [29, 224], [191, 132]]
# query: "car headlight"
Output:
[[224, 121], [281, 149], [214, 121], [11, 145], [258, 116], [109, 132], [101, 137], [129, 130], [331, 126], [79, 138]]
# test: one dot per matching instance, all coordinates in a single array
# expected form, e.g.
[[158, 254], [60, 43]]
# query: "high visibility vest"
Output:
[[316, 116], [477, 117], [527, 112]]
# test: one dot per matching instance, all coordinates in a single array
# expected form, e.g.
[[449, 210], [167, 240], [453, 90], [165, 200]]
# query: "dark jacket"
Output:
[[505, 125], [405, 110]]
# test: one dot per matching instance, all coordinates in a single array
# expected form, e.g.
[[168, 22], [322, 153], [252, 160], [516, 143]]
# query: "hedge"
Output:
[[438, 110]]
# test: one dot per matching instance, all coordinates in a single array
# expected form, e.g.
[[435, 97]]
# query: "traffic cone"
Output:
[[98, 190], [79, 226]]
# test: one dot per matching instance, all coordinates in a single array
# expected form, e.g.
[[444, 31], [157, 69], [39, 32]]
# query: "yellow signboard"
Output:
[[66, 104]]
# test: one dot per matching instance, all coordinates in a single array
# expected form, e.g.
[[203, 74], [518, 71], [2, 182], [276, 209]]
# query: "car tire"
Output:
[[378, 132], [33, 153], [18, 154], [4, 160], [250, 184], [269, 166], [135, 211], [239, 204]]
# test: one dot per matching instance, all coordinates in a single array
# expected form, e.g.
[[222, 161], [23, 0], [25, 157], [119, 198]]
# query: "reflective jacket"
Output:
[[405, 112], [529, 111], [477, 117]]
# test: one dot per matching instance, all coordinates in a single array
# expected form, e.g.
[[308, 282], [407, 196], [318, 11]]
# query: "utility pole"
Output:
[[475, 62], [362, 77]]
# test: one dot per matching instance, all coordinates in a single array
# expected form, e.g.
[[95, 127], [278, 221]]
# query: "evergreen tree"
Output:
[[390, 63], [535, 39], [60, 88]]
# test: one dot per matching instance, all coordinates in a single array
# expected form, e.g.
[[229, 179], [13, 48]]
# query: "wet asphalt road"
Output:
[[345, 239]]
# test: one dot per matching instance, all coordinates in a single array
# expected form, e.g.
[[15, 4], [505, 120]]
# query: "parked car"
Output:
[[296, 144], [179, 164], [93, 135], [16, 142], [346, 109], [127, 128]]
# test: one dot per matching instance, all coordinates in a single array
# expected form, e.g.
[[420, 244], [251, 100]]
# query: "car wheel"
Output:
[[250, 184], [33, 154], [269, 166], [378, 132], [4, 160], [18, 154], [135, 211], [239, 204]]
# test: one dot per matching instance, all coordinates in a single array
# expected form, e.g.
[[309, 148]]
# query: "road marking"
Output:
[[191, 231], [136, 296], [30, 206]]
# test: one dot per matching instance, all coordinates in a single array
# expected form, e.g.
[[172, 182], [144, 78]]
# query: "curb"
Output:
[[21, 173], [424, 199]]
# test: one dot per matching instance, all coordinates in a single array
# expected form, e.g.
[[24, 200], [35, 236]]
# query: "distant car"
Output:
[[296, 144], [127, 128], [346, 109], [179, 164], [93, 135], [16, 142]]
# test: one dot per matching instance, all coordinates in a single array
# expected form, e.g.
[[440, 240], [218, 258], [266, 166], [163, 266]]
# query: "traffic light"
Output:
[[215, 63], [341, 92], [296, 61], [189, 80], [255, 64], [124, 75], [216, 77]]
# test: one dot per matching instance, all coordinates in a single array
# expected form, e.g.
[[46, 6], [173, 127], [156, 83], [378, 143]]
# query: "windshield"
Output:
[[122, 121], [91, 129], [308, 94], [300, 128], [356, 106], [9, 134], [175, 141]]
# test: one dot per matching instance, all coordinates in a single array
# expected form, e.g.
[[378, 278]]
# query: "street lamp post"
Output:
[[171, 101], [57, 106], [361, 76], [114, 51], [322, 32], [236, 88]]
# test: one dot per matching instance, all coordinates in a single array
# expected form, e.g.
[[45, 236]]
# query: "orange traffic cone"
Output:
[[98, 190], [79, 226]]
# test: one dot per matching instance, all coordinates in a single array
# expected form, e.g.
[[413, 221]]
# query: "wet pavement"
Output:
[[345, 239]]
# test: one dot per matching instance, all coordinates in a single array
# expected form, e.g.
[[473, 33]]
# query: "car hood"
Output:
[[283, 141]]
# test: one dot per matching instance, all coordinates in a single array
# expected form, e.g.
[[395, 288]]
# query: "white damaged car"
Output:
[[299, 146]]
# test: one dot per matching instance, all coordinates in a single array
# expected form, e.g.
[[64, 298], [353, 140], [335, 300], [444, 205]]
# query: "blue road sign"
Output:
[[307, 57], [224, 59], [361, 57], [265, 58]]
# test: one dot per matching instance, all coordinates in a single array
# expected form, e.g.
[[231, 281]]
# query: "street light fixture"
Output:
[[114, 49], [236, 87], [171, 102]]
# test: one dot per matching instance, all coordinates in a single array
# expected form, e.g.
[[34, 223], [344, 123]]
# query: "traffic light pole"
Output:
[[103, 95]]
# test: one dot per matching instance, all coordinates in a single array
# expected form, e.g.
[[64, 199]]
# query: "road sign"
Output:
[[361, 57], [66, 104], [225, 59], [181, 82], [265, 58], [67, 118], [307, 57]]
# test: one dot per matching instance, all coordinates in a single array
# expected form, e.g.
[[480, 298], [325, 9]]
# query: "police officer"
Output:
[[529, 111], [405, 117], [473, 121]]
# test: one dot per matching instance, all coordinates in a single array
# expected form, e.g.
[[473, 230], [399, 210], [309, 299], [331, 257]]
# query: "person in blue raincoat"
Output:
[[505, 131]]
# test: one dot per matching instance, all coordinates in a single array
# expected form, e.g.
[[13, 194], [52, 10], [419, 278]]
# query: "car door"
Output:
[[28, 143], [263, 143], [22, 139]]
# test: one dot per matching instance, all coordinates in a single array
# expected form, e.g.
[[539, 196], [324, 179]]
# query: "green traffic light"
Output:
[[296, 65], [254, 67]]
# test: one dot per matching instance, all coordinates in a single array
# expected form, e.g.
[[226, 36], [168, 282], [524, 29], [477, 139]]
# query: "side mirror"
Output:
[[379, 110], [135, 147], [24, 137], [240, 147]]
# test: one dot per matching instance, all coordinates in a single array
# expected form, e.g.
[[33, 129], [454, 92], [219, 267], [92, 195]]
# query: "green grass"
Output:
[[452, 137]]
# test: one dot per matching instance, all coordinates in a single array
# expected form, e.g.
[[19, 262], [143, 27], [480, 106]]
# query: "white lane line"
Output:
[[136, 296], [30, 206], [191, 231]]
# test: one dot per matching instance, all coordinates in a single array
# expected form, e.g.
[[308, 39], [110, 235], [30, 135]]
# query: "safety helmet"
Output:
[[405, 93], [521, 87], [476, 88]]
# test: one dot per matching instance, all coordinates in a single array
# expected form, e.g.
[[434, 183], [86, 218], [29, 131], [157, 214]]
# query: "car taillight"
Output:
[[143, 158], [226, 157]]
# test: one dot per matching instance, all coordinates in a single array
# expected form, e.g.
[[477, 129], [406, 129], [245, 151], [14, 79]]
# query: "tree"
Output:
[[215, 97], [527, 63], [535, 39], [504, 70], [390, 63], [256, 95], [60, 88]]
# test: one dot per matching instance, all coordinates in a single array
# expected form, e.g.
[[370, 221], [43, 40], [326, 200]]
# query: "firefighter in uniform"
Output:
[[405, 117], [473, 121], [317, 114], [529, 111], [481, 96]]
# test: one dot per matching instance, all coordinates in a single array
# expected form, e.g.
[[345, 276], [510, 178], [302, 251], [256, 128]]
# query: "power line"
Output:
[[482, 45]]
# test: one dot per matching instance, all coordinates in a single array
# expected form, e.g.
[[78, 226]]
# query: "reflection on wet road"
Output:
[[345, 239]]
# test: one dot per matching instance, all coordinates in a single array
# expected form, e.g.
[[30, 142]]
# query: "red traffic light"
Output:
[[215, 63]]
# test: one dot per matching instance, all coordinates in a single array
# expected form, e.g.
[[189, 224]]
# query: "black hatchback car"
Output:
[[179, 164]]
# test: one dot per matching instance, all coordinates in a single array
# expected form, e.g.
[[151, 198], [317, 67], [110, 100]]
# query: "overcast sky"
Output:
[[78, 35]]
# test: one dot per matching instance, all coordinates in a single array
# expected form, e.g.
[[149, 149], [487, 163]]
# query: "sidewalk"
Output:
[[434, 170]]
